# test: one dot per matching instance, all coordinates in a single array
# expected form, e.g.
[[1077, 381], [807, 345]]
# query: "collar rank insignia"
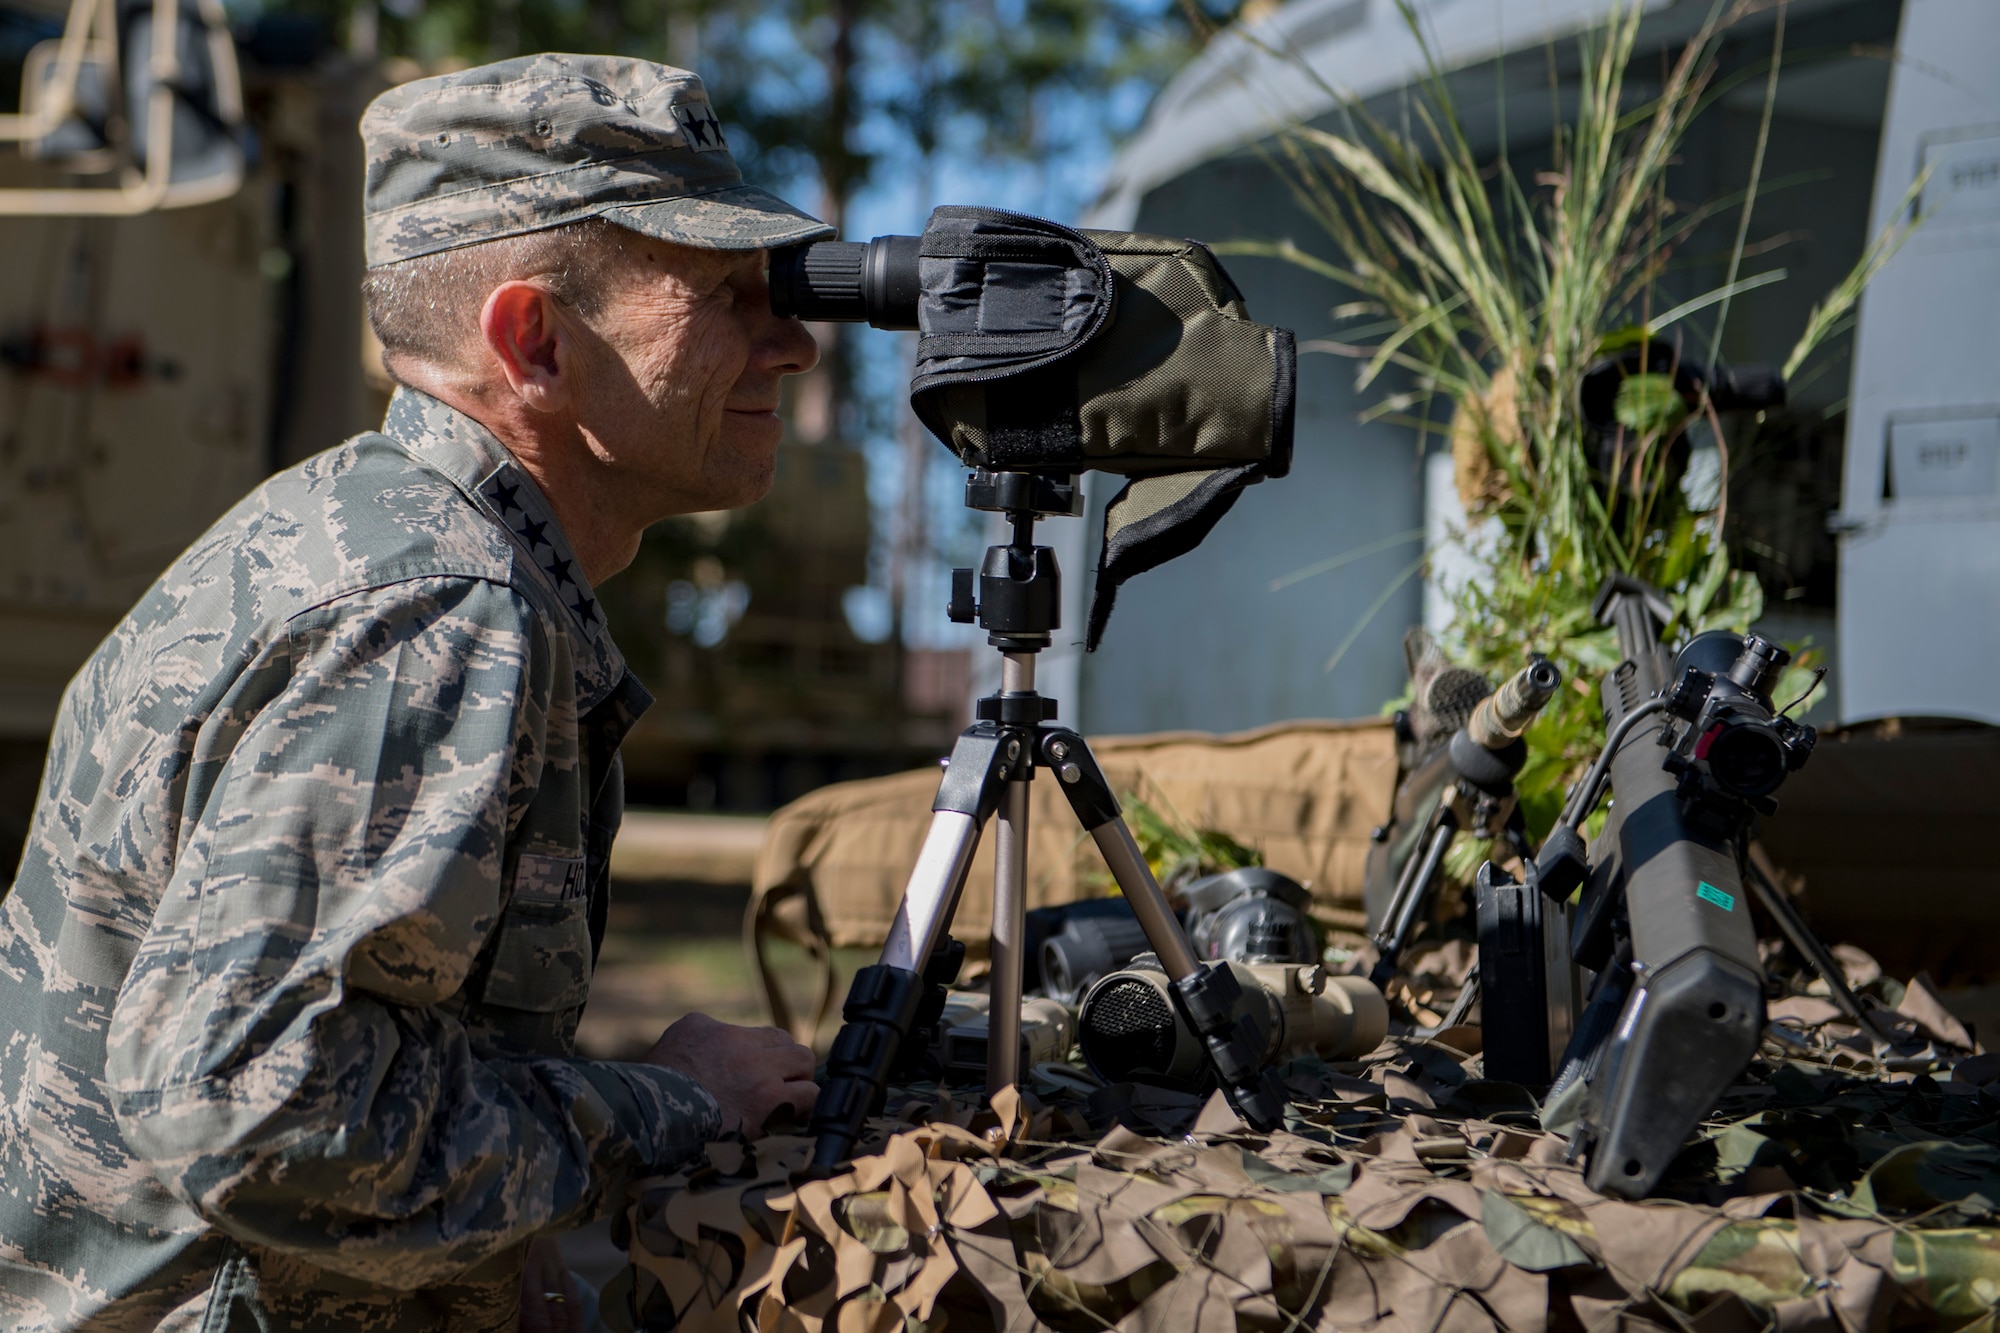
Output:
[[503, 492]]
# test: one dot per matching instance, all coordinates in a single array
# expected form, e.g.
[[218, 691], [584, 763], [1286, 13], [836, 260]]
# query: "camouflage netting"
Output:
[[1837, 1187]]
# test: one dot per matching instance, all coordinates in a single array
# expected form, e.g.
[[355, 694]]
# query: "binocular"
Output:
[[1127, 1027], [1254, 921]]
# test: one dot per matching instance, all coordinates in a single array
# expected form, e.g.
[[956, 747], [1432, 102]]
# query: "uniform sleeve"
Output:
[[280, 1054]]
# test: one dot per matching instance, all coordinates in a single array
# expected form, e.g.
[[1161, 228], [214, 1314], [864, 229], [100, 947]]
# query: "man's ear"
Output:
[[525, 330]]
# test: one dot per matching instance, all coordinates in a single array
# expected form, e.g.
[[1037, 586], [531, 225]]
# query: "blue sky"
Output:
[[1056, 184]]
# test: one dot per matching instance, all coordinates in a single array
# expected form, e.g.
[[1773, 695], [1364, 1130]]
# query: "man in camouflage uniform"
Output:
[[294, 960]]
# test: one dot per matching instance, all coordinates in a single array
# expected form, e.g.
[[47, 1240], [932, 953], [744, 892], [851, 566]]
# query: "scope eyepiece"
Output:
[[1757, 669], [851, 282], [1087, 948]]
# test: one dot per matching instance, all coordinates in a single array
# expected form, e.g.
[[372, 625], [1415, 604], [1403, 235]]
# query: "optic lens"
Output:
[[1127, 1029], [1747, 760]]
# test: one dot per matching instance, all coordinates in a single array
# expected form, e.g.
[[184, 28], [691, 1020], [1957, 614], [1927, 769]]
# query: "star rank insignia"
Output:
[[700, 130], [502, 494], [502, 491]]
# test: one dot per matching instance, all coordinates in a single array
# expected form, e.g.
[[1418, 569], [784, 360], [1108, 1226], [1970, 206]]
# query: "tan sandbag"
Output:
[[1305, 794]]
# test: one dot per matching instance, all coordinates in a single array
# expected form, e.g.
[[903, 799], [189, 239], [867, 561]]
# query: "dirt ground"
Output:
[[675, 947], [671, 948]]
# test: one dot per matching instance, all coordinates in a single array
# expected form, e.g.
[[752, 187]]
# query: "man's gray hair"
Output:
[[427, 308]]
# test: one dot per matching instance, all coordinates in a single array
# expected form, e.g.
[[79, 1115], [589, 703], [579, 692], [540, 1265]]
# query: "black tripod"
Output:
[[893, 1006]]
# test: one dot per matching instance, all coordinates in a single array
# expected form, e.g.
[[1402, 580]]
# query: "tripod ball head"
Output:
[[1019, 597], [1016, 594]]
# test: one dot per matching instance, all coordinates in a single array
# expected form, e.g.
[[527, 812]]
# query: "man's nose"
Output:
[[787, 347]]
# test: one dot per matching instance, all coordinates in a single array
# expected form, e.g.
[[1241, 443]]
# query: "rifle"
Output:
[[1694, 748], [1484, 755]]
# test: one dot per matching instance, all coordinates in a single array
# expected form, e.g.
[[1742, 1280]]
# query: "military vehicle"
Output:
[[180, 317]]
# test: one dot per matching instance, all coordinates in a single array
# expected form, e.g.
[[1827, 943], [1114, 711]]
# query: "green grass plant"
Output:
[[1490, 295]]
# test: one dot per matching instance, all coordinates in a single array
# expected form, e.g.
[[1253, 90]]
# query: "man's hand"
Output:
[[750, 1072]]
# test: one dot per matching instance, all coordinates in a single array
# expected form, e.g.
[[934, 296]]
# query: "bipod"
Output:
[[893, 1005]]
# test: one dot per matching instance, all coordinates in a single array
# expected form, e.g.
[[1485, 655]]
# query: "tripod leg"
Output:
[[1010, 894], [933, 890], [1210, 999], [1135, 880], [884, 1000]]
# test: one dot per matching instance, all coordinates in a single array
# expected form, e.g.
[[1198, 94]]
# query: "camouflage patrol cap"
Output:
[[542, 140]]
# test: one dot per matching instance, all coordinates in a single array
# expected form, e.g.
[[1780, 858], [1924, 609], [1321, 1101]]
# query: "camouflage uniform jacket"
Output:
[[293, 964]]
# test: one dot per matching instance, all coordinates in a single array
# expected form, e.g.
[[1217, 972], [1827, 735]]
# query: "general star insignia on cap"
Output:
[[703, 130], [541, 141]]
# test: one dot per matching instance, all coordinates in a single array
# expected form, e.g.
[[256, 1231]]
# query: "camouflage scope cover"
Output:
[[1047, 349], [544, 140]]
